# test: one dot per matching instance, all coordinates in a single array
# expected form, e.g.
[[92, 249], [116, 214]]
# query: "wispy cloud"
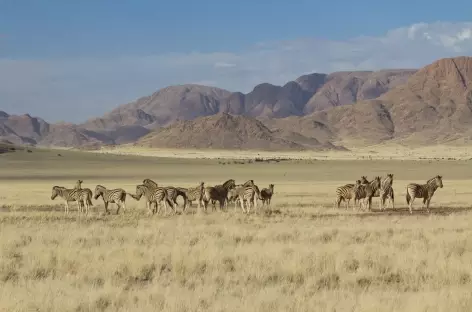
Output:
[[75, 89]]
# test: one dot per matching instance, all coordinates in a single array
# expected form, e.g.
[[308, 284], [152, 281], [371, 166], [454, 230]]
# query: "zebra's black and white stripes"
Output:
[[425, 191], [367, 191], [386, 191], [113, 196], [154, 195], [346, 193]]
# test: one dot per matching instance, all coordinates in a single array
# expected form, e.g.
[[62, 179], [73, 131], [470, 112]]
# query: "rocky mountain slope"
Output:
[[430, 105], [225, 131], [433, 106], [307, 94]]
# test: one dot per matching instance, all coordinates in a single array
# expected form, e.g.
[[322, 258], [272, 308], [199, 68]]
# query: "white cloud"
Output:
[[75, 89]]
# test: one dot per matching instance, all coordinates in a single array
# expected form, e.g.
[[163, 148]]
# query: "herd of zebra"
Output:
[[383, 188], [246, 194]]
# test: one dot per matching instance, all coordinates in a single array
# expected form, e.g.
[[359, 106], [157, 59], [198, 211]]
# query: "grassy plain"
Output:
[[301, 255]]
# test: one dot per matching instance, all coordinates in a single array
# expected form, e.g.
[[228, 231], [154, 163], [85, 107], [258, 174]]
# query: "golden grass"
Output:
[[301, 255]]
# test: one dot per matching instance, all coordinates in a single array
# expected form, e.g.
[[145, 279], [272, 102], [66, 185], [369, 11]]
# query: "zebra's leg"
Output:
[[106, 207], [392, 201], [79, 207], [242, 205], [66, 207], [165, 207], [427, 205], [380, 201], [248, 203], [410, 205]]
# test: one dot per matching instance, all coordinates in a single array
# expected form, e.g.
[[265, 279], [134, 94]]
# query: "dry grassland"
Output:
[[302, 255]]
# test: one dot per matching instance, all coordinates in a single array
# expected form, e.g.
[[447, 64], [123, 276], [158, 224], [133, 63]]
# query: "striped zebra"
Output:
[[86, 195], [192, 194], [366, 192], [68, 195], [386, 191], [233, 195], [172, 193], [425, 191], [346, 193], [247, 194], [266, 194], [217, 193], [152, 195], [114, 196]]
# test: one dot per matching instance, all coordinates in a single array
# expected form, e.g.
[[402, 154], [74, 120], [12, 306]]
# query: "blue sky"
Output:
[[71, 60]]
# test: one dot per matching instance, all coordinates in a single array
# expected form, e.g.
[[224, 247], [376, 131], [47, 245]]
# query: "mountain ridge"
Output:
[[419, 106]]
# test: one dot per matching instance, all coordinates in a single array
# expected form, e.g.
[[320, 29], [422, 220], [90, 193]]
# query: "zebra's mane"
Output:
[[229, 183], [149, 181], [433, 179]]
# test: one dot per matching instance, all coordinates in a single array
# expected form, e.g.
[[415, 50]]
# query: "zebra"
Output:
[[85, 197], [67, 194], [367, 191], [386, 191], [172, 193], [248, 193], [114, 196], [233, 196], [217, 193], [425, 191], [193, 193], [346, 193], [153, 195], [382, 193], [266, 194]]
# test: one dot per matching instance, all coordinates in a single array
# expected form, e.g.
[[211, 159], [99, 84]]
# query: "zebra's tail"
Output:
[[89, 201], [408, 197]]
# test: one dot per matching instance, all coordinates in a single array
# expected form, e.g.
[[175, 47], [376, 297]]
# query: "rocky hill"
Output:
[[433, 106], [426, 106], [225, 131]]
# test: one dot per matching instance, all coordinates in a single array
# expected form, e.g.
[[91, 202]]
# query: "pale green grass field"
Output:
[[301, 255]]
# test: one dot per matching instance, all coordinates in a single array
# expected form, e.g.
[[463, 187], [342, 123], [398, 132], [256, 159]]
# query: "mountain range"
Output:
[[316, 111]]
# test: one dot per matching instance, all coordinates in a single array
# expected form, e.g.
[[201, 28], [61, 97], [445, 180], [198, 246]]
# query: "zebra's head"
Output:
[[150, 182], [55, 191], [364, 180], [249, 183], [271, 187], [98, 191], [140, 190], [229, 184], [439, 181], [376, 182], [78, 184]]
